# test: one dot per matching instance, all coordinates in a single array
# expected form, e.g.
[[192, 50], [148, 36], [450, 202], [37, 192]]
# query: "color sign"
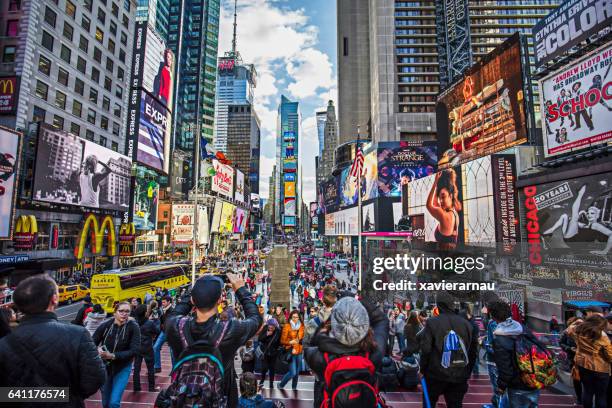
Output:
[[10, 143]]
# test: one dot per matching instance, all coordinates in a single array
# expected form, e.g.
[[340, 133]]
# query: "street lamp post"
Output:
[[194, 246]]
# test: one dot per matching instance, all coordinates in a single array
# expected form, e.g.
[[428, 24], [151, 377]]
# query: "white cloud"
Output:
[[311, 71], [265, 172]]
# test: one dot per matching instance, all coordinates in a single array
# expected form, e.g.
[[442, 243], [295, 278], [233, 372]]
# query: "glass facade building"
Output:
[[287, 177]]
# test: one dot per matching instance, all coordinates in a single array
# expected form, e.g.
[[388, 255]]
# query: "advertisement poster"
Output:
[[577, 104], [226, 223], [569, 222], [239, 194], [154, 133], [399, 164], [9, 164], [158, 75], [289, 221], [589, 279], [180, 174], [145, 204], [314, 218], [484, 113], [255, 200], [8, 95], [329, 193], [368, 218], [75, 171], [348, 188], [567, 26], [369, 179], [453, 32], [505, 202], [182, 223], [203, 226], [216, 218], [289, 190], [223, 180], [239, 221], [290, 207]]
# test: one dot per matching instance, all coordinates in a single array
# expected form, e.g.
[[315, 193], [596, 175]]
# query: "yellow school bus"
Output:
[[124, 284]]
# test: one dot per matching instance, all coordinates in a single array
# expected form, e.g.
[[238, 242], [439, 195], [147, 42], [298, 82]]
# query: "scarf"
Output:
[[296, 325]]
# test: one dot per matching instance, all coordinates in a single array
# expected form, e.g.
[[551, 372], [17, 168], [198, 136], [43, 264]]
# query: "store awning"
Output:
[[583, 304]]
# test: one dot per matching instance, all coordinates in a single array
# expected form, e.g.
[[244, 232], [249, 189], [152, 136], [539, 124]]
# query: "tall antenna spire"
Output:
[[235, 24]]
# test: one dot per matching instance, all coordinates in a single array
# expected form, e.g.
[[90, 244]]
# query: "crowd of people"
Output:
[[355, 349]]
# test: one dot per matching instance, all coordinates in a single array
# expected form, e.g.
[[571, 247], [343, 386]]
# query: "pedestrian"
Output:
[[42, 352], [206, 328], [448, 351], [400, 324], [134, 302], [118, 341], [7, 316], [166, 310], [568, 345], [269, 343], [148, 332], [250, 396], [247, 356], [279, 315], [391, 339], [83, 310], [467, 315], [593, 359], [291, 339], [411, 329], [94, 318], [316, 320]]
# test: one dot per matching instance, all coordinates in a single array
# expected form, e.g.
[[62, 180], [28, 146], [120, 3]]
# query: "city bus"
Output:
[[113, 286]]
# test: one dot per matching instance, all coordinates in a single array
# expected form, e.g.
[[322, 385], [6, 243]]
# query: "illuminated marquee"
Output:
[[98, 231], [26, 231], [127, 239]]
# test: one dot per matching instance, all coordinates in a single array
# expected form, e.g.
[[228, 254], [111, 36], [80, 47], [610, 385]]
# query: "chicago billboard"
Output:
[[10, 146], [576, 104], [75, 171]]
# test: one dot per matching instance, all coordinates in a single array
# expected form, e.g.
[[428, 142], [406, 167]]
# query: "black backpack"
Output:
[[197, 377]]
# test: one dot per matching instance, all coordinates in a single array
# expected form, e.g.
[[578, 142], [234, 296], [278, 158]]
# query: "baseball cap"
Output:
[[207, 291]]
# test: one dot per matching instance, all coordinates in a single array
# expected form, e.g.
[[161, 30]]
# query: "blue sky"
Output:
[[293, 46]]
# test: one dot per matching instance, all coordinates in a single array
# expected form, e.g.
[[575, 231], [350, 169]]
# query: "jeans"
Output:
[[161, 339], [594, 386], [149, 361], [401, 341], [453, 392], [492, 369], [293, 373], [514, 398], [113, 388]]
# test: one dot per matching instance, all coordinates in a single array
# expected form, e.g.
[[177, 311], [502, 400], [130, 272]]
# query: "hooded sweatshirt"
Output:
[[93, 321], [504, 337], [255, 402]]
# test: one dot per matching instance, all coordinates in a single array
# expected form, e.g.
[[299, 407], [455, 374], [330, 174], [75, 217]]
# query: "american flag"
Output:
[[357, 165]]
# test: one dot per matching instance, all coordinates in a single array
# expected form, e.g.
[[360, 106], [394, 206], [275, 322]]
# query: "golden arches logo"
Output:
[[5, 84], [127, 229], [97, 236], [26, 224]]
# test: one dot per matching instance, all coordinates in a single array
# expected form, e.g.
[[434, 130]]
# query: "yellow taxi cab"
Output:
[[72, 293]]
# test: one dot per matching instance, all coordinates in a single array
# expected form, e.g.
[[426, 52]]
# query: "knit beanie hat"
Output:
[[349, 321]]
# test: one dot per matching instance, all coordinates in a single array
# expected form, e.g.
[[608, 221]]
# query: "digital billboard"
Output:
[[369, 179], [10, 142], [289, 191], [485, 111], [239, 221], [8, 95], [289, 221], [255, 200], [182, 223], [145, 193], [239, 194], [289, 206], [348, 188], [216, 218], [453, 34], [289, 165], [289, 176], [569, 222], [223, 180], [399, 164], [180, 174], [75, 171], [226, 223], [154, 133], [314, 215], [567, 26], [368, 218], [576, 104], [329, 193], [158, 74]]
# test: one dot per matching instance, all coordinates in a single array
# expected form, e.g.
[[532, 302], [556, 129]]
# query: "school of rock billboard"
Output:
[[567, 26], [577, 103], [569, 222], [483, 113], [10, 142]]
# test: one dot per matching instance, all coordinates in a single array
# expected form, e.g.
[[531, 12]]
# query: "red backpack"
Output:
[[350, 382]]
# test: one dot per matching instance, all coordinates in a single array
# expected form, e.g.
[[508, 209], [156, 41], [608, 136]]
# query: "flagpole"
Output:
[[359, 217], [195, 210]]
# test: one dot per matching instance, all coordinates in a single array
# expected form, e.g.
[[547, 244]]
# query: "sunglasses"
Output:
[[123, 311]]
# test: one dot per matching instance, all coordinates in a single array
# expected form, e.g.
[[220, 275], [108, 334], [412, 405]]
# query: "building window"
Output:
[[60, 100], [115, 129], [70, 9], [97, 55], [81, 65], [58, 122], [62, 76], [115, 146], [121, 55], [8, 54], [117, 110], [75, 129], [12, 28], [42, 90], [50, 17], [102, 141], [77, 108], [110, 65], [108, 84], [101, 16], [88, 4], [85, 22], [68, 31], [39, 114], [93, 96], [111, 46], [79, 86], [99, 35], [106, 103], [84, 44], [89, 134], [47, 41], [65, 53], [113, 28], [95, 75], [120, 74], [126, 5], [126, 21], [91, 116], [119, 92], [44, 65], [345, 46], [115, 10], [123, 38], [14, 5], [104, 122]]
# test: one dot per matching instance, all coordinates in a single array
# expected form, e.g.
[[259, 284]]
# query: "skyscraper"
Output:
[[287, 177], [320, 117], [242, 149], [330, 130]]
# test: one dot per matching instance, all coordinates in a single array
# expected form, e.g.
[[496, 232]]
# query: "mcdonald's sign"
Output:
[[127, 239], [8, 92], [97, 232], [26, 231]]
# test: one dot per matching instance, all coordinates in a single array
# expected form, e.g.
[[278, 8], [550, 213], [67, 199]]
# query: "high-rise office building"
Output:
[[321, 116], [330, 130], [287, 176], [242, 149], [193, 36]]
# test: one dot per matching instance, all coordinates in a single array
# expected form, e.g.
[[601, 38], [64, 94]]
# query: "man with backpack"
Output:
[[448, 352], [207, 344], [524, 366]]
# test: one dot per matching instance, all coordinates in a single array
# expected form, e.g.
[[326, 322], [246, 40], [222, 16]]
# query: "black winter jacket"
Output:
[[148, 332], [270, 345], [123, 341], [504, 355], [431, 344], [236, 335], [323, 343], [65, 353]]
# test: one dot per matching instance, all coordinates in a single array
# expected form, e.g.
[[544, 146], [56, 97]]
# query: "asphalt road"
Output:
[[68, 312]]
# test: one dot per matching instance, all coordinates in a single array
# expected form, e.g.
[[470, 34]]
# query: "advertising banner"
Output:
[[145, 204], [182, 223], [484, 113], [453, 33], [223, 180], [127, 239], [289, 165], [399, 164], [368, 218], [329, 193], [589, 279], [289, 190], [289, 221], [180, 174], [216, 218], [369, 179], [348, 189], [8, 95], [10, 146], [569, 222], [239, 221], [239, 194], [329, 224], [289, 177], [314, 215], [75, 171], [255, 200], [154, 133], [203, 226], [158, 74], [289, 206], [576, 104], [567, 26], [226, 223], [505, 202]]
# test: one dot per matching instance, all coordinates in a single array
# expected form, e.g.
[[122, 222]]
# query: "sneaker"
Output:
[[154, 389]]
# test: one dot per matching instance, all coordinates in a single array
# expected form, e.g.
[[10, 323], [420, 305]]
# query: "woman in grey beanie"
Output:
[[354, 328]]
